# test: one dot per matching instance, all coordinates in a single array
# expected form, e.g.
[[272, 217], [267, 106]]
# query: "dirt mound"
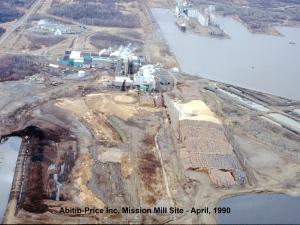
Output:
[[126, 166], [124, 99]]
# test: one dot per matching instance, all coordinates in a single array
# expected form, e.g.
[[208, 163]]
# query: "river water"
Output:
[[9, 151], [255, 61], [261, 209]]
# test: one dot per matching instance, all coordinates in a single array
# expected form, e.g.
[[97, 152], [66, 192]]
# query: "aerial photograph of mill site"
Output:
[[150, 111]]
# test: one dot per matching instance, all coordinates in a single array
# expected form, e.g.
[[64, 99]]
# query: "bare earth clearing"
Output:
[[87, 144]]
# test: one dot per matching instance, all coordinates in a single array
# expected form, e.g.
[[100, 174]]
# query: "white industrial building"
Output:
[[145, 76], [119, 80], [205, 16], [203, 19], [58, 32], [75, 55], [56, 29], [81, 73]]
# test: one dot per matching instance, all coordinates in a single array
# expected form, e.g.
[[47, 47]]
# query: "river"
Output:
[[261, 209], [9, 151], [261, 62]]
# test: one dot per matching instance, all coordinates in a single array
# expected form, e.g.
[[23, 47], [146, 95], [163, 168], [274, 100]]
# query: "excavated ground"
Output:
[[107, 149], [85, 145]]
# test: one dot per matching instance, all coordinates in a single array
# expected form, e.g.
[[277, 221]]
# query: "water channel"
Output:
[[261, 209], [261, 62], [9, 150]]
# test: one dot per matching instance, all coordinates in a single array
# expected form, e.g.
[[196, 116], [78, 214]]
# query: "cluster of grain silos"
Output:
[[205, 16]]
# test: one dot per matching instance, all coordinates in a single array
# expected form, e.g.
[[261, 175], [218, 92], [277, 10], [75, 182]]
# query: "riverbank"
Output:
[[254, 209], [9, 151], [206, 31], [243, 60], [259, 17], [266, 151], [91, 144]]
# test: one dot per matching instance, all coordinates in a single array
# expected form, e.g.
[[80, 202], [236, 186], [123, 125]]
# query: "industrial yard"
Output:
[[106, 120], [200, 21], [95, 131]]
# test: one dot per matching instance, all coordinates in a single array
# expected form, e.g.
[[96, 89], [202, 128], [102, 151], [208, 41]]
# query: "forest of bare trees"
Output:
[[259, 14], [12, 9], [8, 13], [2, 31], [104, 14], [17, 67]]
